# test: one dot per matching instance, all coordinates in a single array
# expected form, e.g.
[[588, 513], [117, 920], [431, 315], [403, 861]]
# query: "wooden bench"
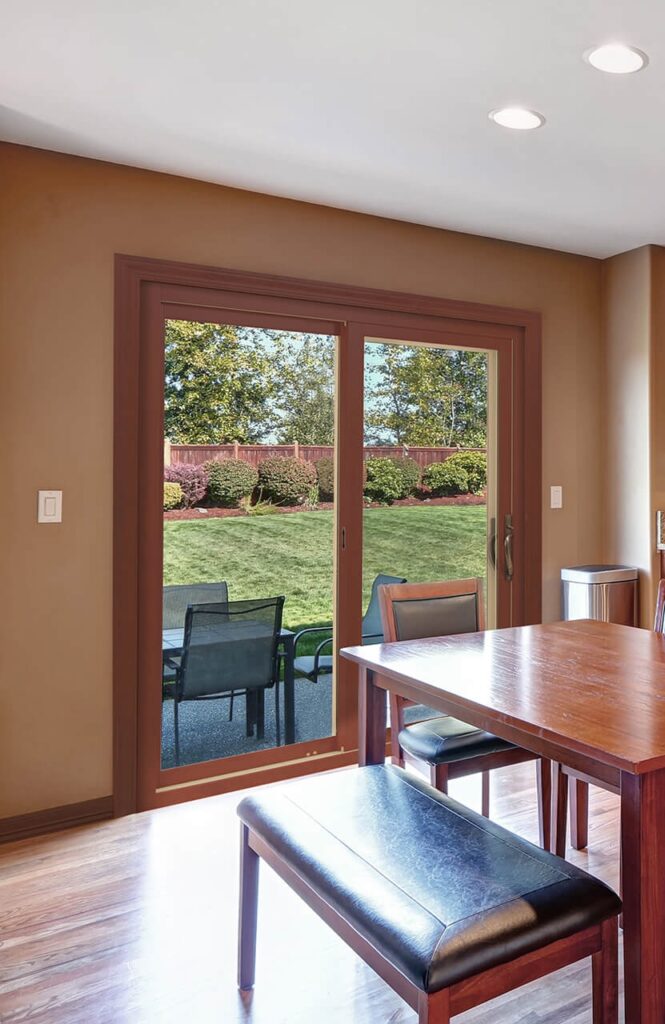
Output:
[[449, 908]]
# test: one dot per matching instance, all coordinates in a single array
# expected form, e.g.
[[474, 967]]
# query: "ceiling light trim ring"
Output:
[[616, 58], [516, 118]]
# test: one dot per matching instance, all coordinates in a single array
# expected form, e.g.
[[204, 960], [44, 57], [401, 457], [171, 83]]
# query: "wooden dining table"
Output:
[[589, 695]]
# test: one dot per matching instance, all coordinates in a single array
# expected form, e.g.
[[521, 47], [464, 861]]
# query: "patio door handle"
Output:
[[491, 547], [508, 531]]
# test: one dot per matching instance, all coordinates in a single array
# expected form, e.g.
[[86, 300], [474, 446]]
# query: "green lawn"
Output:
[[292, 554]]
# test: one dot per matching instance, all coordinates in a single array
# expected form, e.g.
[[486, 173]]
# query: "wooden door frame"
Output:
[[139, 283]]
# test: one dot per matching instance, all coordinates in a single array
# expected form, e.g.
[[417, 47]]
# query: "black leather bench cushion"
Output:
[[442, 892], [440, 740]]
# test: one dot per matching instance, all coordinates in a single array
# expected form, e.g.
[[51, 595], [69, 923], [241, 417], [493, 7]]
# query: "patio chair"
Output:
[[176, 599], [321, 663], [230, 647]]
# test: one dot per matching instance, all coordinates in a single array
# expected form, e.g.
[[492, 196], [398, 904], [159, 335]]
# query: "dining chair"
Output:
[[321, 662], [570, 789], [230, 647], [449, 748]]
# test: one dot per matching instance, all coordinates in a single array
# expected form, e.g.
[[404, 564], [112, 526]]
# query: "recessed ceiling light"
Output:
[[519, 118], [617, 59]]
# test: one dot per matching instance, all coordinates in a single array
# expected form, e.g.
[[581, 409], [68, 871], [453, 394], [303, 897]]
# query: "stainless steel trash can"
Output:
[[606, 592]]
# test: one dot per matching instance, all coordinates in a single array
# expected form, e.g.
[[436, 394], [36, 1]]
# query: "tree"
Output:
[[304, 392], [226, 383], [218, 384], [420, 395]]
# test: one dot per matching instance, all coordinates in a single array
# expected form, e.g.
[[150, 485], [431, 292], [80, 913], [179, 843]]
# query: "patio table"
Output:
[[172, 641], [590, 695]]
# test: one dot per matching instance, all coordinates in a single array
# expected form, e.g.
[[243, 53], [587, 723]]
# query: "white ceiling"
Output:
[[372, 105]]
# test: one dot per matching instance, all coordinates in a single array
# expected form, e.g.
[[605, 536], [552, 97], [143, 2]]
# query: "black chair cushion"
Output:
[[304, 666], [441, 740], [440, 891]]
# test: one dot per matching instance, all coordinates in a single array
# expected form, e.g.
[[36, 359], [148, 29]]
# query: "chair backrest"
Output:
[[413, 611], [230, 645], [659, 619], [177, 598], [372, 625]]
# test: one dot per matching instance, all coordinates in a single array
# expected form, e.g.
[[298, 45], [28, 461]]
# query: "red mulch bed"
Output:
[[224, 513]]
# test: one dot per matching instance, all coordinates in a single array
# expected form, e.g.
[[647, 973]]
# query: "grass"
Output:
[[292, 554]]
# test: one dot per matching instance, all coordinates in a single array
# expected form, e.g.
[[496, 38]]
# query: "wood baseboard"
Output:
[[53, 819]]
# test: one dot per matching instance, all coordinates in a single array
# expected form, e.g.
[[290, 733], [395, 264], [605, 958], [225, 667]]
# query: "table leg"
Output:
[[579, 813], [643, 850], [371, 719], [289, 691], [544, 788], [559, 810], [260, 714], [250, 712]]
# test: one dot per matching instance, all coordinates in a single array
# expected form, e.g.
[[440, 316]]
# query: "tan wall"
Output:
[[633, 327], [657, 446], [626, 428], [61, 221]]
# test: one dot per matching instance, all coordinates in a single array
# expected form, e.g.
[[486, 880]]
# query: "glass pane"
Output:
[[248, 499], [427, 425]]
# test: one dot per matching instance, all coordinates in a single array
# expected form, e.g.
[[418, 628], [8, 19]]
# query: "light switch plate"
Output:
[[49, 507], [556, 497]]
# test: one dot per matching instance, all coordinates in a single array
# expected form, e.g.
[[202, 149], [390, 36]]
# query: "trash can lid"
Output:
[[598, 573]]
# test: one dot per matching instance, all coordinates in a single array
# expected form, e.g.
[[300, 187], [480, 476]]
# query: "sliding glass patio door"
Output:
[[248, 540], [427, 447], [430, 500], [289, 458]]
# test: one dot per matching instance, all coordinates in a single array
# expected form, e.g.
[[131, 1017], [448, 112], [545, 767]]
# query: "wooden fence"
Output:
[[195, 454]]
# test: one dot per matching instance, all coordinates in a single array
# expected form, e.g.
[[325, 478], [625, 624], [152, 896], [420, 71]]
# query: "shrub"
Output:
[[325, 472], [475, 464], [410, 471], [384, 481], [446, 478], [172, 496], [192, 479], [229, 480], [285, 479], [312, 499], [259, 508]]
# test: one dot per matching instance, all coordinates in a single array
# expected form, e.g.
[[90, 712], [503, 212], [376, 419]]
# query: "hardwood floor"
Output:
[[134, 922]]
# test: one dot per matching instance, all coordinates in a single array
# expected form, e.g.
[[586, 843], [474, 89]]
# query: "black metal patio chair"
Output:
[[321, 662], [176, 599], [230, 648]]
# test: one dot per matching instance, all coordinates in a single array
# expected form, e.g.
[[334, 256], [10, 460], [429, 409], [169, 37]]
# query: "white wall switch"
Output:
[[49, 507], [556, 497]]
